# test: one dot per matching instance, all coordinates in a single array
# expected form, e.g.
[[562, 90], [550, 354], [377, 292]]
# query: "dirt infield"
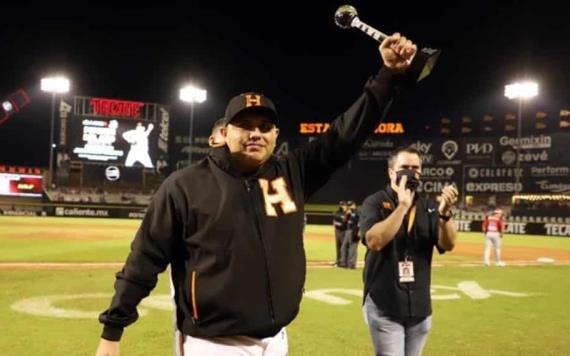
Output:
[[513, 255], [50, 226], [509, 253], [68, 232], [63, 235], [59, 265]]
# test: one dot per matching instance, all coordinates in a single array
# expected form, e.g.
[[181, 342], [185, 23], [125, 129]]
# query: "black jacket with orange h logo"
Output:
[[234, 242]]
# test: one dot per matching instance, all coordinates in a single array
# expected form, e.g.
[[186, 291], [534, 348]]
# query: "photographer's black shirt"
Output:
[[381, 275]]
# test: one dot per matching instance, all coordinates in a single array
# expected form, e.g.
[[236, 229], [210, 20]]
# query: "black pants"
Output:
[[348, 250], [339, 238]]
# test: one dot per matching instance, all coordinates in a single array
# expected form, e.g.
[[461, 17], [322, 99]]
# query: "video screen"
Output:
[[20, 185], [126, 142]]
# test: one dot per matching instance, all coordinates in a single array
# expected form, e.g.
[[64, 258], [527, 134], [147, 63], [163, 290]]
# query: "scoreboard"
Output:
[[111, 140], [121, 142]]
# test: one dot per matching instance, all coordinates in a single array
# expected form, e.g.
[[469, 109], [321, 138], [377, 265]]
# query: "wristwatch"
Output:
[[446, 217]]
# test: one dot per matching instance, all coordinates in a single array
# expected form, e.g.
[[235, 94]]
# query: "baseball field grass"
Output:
[[57, 274]]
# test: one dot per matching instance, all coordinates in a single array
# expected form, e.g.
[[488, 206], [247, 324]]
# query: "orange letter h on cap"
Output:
[[252, 100]]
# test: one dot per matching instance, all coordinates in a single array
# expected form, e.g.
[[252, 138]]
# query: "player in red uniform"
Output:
[[493, 227]]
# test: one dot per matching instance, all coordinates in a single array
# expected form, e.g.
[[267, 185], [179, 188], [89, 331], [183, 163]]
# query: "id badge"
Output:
[[406, 271]]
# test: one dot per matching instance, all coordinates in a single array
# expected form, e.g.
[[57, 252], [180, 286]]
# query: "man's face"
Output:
[[405, 160], [251, 138]]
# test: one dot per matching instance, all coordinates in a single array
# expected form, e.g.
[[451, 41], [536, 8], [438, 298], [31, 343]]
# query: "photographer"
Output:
[[401, 228]]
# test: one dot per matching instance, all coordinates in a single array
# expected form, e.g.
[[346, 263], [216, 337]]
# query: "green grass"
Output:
[[40, 335], [499, 325]]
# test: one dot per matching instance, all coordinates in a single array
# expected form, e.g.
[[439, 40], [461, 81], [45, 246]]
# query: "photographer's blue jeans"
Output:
[[395, 337]]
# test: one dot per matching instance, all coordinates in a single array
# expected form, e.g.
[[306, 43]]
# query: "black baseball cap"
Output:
[[250, 102]]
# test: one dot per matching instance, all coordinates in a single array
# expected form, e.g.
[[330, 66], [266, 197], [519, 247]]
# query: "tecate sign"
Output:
[[557, 229]]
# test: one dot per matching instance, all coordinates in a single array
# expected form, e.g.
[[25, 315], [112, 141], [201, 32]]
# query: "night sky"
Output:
[[292, 51]]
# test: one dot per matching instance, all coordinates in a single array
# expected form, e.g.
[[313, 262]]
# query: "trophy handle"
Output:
[[369, 30], [424, 61]]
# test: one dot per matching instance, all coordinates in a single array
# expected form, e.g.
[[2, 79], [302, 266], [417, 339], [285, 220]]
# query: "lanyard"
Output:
[[411, 218], [409, 240]]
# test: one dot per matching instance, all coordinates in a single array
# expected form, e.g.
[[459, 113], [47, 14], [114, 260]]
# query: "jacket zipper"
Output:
[[193, 296], [249, 187]]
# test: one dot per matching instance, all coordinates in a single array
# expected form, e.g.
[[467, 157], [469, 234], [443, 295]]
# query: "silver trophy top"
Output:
[[344, 16]]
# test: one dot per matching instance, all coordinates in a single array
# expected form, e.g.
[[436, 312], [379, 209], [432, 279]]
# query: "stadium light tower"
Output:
[[192, 94], [53, 85], [521, 91]]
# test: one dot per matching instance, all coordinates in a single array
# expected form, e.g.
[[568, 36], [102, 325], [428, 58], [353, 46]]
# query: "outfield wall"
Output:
[[72, 210], [318, 218], [515, 228]]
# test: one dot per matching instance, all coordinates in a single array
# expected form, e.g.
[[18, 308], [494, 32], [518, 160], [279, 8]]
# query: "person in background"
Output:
[[493, 227], [216, 138], [339, 223], [349, 248]]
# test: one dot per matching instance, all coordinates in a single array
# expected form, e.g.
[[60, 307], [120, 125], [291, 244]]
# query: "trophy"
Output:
[[346, 16]]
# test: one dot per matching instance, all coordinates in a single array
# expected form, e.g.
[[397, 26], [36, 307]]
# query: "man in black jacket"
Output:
[[231, 226]]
